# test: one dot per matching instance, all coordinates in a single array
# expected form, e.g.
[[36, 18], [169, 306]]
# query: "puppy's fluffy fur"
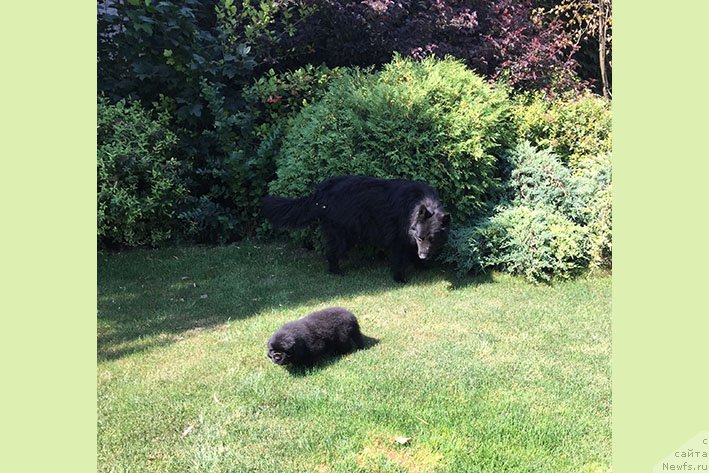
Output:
[[303, 341]]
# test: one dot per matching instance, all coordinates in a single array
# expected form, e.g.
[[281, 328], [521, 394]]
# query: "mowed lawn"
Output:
[[484, 374]]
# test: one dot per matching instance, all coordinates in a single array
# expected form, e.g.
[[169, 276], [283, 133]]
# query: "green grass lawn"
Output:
[[486, 374]]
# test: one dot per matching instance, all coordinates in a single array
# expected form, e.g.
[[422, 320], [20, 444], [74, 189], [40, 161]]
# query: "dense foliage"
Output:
[[139, 180], [593, 181], [275, 98], [208, 106], [181, 58], [501, 36], [194, 60], [536, 242], [590, 25], [430, 120], [539, 179], [572, 125], [552, 222]]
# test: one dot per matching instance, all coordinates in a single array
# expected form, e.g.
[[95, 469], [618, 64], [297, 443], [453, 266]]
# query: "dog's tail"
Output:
[[291, 213]]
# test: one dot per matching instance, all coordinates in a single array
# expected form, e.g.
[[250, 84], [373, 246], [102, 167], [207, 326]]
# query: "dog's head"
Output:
[[429, 229], [282, 348]]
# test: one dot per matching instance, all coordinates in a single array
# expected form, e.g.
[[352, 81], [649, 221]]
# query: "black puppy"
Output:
[[302, 341]]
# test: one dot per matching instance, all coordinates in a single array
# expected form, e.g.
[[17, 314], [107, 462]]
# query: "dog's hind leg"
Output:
[[336, 245], [397, 263]]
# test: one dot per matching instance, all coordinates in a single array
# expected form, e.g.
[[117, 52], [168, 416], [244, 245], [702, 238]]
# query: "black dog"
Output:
[[404, 217], [302, 341]]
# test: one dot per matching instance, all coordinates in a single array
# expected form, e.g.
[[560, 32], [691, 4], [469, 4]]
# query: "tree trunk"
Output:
[[602, 25]]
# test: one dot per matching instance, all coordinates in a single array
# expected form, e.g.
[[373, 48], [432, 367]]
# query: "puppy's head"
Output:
[[429, 229], [282, 348]]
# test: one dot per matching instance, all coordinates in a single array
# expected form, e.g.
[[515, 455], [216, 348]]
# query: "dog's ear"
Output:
[[423, 212], [445, 219]]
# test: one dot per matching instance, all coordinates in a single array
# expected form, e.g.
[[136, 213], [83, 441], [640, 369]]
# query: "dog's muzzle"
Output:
[[277, 357]]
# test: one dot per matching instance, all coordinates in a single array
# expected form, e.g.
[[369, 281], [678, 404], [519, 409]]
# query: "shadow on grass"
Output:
[[150, 298], [325, 361]]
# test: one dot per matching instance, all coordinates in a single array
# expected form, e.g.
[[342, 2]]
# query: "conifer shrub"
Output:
[[432, 120], [573, 126], [553, 221]]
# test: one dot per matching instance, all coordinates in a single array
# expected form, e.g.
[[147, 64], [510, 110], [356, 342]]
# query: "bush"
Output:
[[539, 179], [465, 249], [275, 98], [572, 126], [139, 181], [538, 243], [193, 59], [228, 177], [535, 242], [489, 36], [554, 221], [431, 120], [592, 181], [600, 230], [272, 102]]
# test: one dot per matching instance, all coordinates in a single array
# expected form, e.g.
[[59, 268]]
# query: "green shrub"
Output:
[[539, 179], [600, 229], [592, 177], [193, 59], [275, 98], [464, 249], [229, 176], [272, 102], [432, 120], [555, 221], [539, 244], [573, 127], [139, 180]]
